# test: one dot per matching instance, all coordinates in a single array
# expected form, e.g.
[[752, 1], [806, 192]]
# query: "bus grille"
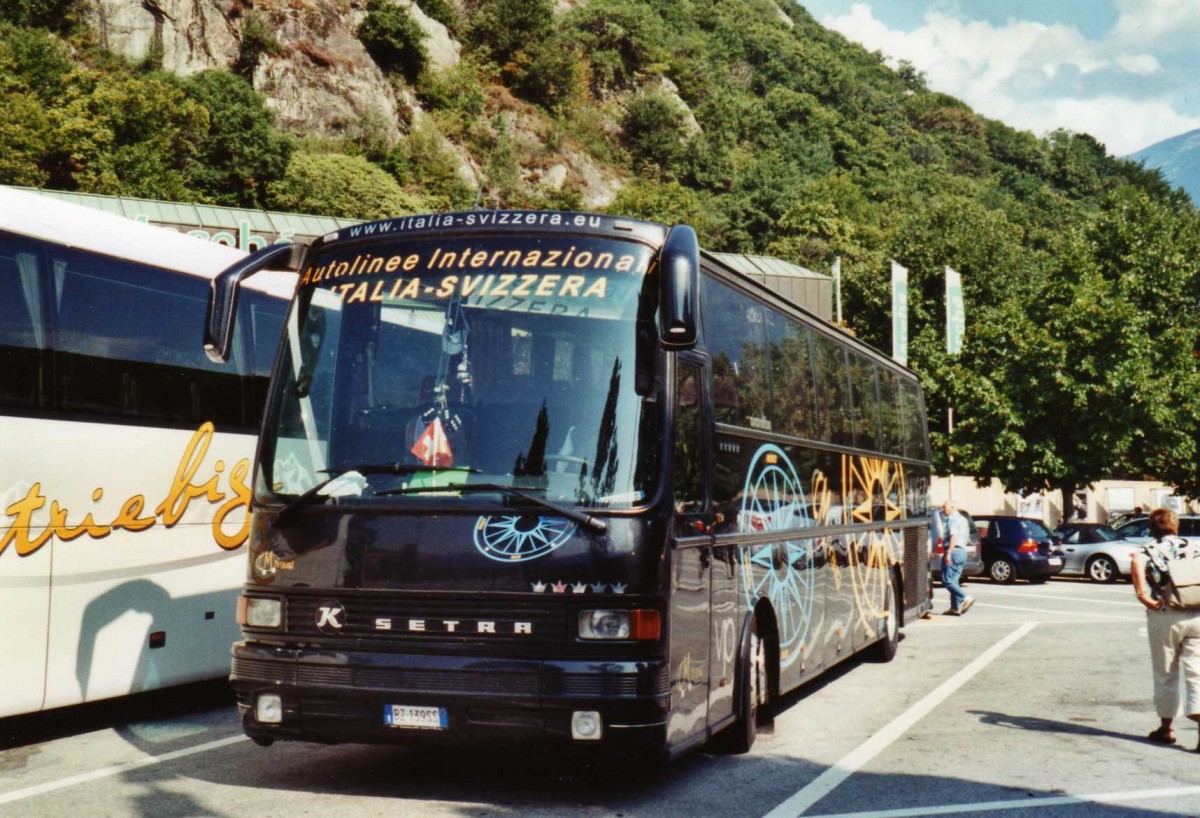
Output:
[[410, 680], [916, 566], [405, 680]]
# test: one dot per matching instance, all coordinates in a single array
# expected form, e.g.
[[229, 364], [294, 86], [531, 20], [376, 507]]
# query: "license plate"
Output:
[[415, 718], [1055, 560]]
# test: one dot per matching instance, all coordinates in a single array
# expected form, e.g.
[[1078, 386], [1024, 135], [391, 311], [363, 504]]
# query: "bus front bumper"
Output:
[[335, 697]]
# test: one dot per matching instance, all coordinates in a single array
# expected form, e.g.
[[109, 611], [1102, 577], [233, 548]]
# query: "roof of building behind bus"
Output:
[[758, 266], [26, 213], [300, 227]]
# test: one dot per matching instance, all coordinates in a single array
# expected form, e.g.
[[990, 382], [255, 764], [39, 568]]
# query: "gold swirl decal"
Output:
[[184, 489], [874, 492]]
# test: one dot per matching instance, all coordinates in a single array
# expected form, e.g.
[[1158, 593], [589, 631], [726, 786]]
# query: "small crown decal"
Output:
[[618, 587], [539, 587], [579, 588], [559, 587], [598, 587]]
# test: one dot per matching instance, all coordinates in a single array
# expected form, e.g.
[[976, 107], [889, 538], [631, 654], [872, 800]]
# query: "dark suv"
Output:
[[1018, 547]]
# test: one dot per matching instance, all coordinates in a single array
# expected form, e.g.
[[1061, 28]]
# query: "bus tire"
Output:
[[750, 691], [885, 649]]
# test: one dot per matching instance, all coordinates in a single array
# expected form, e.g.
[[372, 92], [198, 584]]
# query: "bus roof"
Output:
[[84, 228]]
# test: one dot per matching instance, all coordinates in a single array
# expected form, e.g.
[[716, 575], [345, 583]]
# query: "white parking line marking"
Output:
[[1024, 803], [1132, 603], [1012, 623], [108, 772], [827, 781], [1101, 617]]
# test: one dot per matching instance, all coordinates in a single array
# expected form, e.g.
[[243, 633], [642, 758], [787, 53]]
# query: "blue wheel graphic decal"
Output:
[[773, 500], [519, 537]]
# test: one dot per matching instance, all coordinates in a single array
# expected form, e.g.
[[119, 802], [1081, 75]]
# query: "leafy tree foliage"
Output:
[[394, 39], [506, 27], [654, 127], [129, 135], [56, 15], [241, 152], [339, 185]]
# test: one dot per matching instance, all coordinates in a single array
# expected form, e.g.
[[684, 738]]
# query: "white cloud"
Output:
[[1022, 72], [1167, 25], [1141, 64]]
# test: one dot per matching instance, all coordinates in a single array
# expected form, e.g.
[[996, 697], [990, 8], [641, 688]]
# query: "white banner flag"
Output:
[[956, 316], [837, 289], [900, 313]]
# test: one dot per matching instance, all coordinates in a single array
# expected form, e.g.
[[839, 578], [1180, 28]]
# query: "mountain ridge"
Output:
[[1178, 157]]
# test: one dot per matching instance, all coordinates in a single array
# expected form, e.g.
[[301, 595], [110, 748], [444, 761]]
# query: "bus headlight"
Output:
[[618, 623], [260, 612], [586, 726], [268, 708]]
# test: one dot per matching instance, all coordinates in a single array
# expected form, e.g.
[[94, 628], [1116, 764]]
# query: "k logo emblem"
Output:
[[330, 616]]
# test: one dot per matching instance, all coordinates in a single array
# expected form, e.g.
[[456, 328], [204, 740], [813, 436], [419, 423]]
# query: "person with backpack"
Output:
[[1166, 578]]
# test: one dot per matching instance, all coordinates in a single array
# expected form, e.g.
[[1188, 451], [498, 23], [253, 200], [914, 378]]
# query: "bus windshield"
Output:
[[424, 371]]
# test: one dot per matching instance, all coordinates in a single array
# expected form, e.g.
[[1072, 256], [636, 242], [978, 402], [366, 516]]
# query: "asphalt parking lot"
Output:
[[1036, 702]]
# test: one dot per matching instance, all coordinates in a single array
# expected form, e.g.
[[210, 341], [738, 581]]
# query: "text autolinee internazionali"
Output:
[[495, 273]]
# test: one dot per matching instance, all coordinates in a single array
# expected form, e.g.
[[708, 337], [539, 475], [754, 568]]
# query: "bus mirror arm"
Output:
[[679, 304], [222, 297]]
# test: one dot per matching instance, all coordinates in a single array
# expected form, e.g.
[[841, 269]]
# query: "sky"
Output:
[[1125, 71]]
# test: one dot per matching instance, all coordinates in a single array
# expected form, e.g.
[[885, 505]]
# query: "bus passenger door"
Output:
[[691, 560]]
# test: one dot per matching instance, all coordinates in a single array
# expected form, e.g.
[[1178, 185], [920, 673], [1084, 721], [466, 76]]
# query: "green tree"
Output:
[[394, 39], [620, 40], [25, 138], [667, 202], [56, 15], [1089, 371], [332, 184], [241, 152], [127, 135], [653, 128], [505, 27]]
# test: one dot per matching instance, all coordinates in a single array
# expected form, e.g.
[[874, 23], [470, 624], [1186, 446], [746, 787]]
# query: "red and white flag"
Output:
[[432, 447]]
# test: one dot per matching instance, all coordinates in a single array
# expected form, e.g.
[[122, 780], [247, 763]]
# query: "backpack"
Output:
[[1180, 568]]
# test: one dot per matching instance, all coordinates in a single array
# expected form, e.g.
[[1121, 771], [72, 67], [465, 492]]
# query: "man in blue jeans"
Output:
[[957, 537]]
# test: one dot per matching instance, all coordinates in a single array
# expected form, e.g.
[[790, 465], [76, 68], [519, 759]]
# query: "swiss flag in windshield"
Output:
[[432, 447]]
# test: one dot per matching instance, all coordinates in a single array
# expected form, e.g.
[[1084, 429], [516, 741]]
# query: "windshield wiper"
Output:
[[313, 493], [564, 511]]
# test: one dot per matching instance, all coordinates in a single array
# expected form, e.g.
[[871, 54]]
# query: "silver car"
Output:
[[1096, 551], [1137, 529]]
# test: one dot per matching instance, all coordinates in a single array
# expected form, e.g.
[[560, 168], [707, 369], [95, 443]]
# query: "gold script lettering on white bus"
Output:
[[184, 489]]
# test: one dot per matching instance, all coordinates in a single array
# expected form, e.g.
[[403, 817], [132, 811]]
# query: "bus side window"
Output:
[[689, 457], [22, 322], [126, 344]]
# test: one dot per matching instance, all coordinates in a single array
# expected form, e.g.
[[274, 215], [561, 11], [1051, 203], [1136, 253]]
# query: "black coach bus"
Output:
[[560, 476]]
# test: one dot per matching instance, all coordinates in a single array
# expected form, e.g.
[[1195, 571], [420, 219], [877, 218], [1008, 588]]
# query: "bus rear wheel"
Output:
[[885, 648]]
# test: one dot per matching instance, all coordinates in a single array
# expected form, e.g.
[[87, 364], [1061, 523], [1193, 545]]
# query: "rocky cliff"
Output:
[[305, 57]]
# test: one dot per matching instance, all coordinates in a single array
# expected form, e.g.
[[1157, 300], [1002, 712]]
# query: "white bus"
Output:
[[124, 454]]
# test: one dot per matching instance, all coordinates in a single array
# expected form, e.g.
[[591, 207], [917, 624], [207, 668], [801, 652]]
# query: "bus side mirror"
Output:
[[679, 302], [222, 297]]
